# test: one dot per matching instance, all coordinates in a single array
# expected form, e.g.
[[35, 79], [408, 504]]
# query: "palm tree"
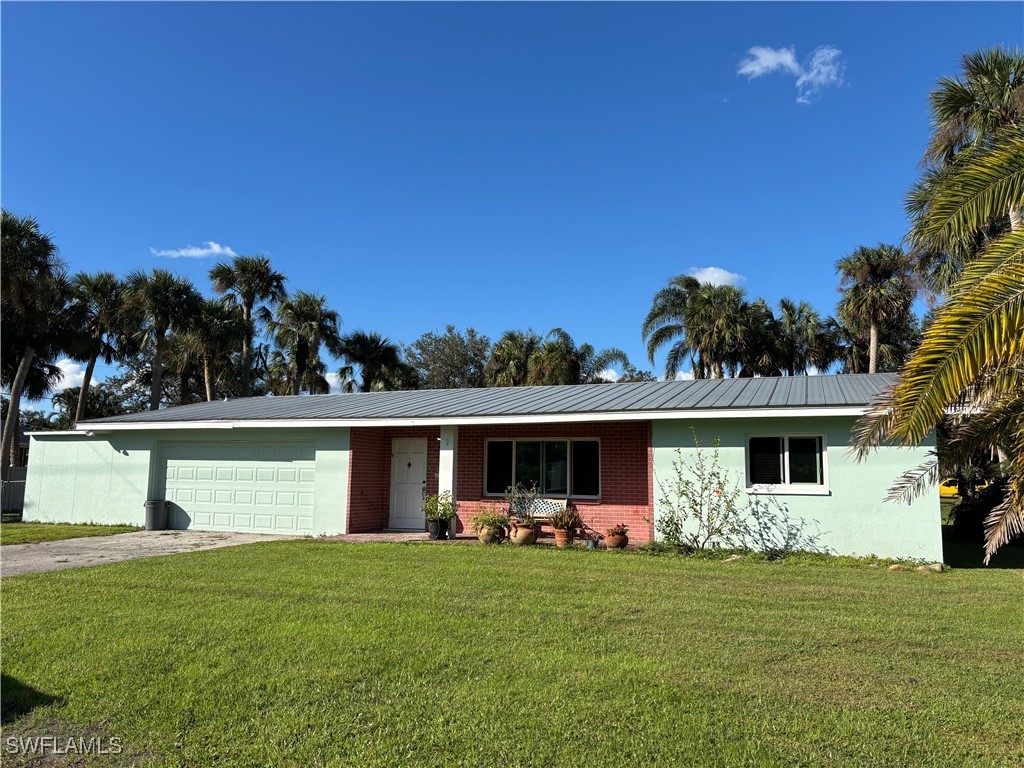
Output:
[[666, 323], [971, 358], [509, 361], [379, 360], [800, 332], [716, 322], [249, 280], [559, 361], [102, 299], [218, 330], [876, 284], [303, 323], [37, 316], [967, 113], [163, 301], [758, 348]]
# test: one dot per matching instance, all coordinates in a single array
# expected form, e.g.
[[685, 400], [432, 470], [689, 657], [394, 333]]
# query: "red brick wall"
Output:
[[627, 476], [369, 477]]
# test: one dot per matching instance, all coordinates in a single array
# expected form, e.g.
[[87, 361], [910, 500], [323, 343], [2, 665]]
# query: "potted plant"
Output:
[[615, 537], [439, 510], [489, 525], [565, 522], [521, 504]]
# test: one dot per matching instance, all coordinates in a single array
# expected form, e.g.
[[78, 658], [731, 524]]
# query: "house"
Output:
[[333, 464]]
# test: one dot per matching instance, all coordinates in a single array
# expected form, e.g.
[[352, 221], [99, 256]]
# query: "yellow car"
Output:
[[948, 488]]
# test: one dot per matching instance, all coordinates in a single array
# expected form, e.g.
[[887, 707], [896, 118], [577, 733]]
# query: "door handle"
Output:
[[424, 491]]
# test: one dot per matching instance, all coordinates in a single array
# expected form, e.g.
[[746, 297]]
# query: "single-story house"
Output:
[[335, 464]]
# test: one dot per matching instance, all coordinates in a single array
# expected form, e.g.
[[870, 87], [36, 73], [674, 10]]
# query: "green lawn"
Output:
[[32, 533], [309, 653]]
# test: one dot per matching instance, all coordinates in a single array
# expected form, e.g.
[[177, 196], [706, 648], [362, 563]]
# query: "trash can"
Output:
[[156, 515]]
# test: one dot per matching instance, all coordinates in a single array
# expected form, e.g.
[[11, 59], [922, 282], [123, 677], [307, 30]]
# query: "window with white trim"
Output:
[[787, 462], [557, 468]]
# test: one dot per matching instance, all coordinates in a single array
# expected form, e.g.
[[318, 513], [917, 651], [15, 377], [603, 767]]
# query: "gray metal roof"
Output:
[[777, 392]]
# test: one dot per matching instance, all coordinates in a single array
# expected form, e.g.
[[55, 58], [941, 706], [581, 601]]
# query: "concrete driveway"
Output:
[[16, 559]]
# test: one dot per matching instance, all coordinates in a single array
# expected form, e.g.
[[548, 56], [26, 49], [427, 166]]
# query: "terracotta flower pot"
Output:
[[563, 538], [490, 535], [616, 541], [524, 535]]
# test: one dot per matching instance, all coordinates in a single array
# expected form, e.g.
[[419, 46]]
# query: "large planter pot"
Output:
[[491, 535], [616, 542], [437, 529], [523, 535], [563, 538]]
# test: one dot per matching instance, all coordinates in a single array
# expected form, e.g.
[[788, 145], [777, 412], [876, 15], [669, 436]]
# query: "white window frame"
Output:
[[569, 460], [786, 488]]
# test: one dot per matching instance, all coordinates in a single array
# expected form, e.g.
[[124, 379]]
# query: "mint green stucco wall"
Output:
[[854, 518], [72, 479], [107, 478]]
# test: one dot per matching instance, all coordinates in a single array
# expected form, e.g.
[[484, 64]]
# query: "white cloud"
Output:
[[762, 60], [823, 68], [208, 249], [609, 374], [716, 275], [74, 374], [683, 376]]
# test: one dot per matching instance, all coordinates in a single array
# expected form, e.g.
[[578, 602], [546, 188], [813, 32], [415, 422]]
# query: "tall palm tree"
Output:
[[218, 330], [379, 360], [971, 358], [36, 313], [967, 112], [800, 332], [716, 323], [102, 299], [876, 286], [163, 301], [558, 360], [249, 280], [758, 347], [303, 323], [666, 324], [509, 361]]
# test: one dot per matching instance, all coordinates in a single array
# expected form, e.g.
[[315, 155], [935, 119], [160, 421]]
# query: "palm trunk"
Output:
[[297, 382], [208, 377], [246, 349], [873, 349], [158, 373], [9, 454], [83, 395]]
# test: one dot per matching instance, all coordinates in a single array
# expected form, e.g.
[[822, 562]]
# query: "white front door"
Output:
[[408, 482]]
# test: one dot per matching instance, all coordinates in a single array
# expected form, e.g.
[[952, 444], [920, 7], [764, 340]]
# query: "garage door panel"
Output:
[[241, 487]]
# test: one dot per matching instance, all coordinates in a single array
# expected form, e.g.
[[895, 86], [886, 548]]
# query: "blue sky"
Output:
[[493, 165]]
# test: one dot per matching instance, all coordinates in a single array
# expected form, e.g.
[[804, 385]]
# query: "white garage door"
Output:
[[256, 488]]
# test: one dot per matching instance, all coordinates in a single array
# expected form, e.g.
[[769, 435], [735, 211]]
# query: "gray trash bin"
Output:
[[156, 515]]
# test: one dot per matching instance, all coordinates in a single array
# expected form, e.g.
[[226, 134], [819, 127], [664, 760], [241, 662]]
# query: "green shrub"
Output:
[[439, 506]]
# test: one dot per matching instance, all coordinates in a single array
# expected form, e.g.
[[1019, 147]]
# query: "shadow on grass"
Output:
[[18, 699], [960, 552]]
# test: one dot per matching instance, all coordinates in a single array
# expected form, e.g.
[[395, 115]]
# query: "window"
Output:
[[554, 467], [794, 462]]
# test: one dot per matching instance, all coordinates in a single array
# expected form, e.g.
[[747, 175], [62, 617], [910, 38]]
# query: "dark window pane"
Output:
[[499, 466], [586, 468], [765, 460], [556, 468], [805, 460], [528, 464]]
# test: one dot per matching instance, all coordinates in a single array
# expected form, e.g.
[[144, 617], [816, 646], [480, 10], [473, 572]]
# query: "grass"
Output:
[[33, 533], [309, 653]]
